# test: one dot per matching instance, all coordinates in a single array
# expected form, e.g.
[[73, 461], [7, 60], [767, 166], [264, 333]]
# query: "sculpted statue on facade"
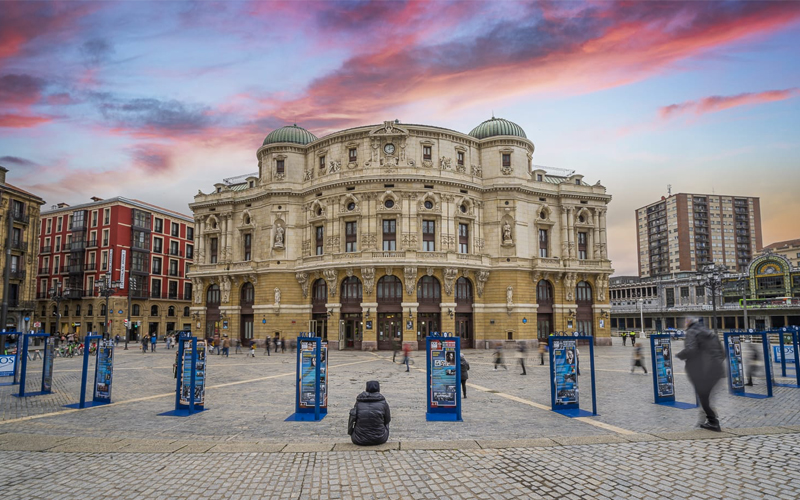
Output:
[[483, 277], [450, 275], [225, 288], [569, 286], [278, 236], [510, 296], [444, 163], [277, 296], [368, 275], [410, 276], [302, 279], [197, 287], [330, 277], [507, 239], [334, 167]]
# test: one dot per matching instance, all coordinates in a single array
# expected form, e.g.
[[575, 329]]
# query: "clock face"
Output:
[[389, 148]]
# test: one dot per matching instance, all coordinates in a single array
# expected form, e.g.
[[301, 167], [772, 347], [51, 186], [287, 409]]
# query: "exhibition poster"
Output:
[[104, 372], [663, 352], [565, 372], [735, 361], [444, 385]]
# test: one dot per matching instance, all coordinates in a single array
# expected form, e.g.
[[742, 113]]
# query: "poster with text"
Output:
[[666, 384], [323, 375], [104, 372], [735, 360], [443, 373], [565, 368], [8, 364], [200, 375], [47, 377], [308, 374]]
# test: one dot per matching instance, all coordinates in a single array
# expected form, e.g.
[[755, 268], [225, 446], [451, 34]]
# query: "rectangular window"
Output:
[[279, 167], [49, 226], [543, 243], [104, 261], [248, 246], [173, 248], [539, 177], [105, 237], [173, 267], [389, 235], [94, 218], [138, 262], [582, 246], [320, 239], [463, 238], [428, 236], [59, 224], [670, 297], [189, 252], [187, 291], [190, 233], [684, 292], [506, 159], [159, 226], [213, 250], [107, 216], [69, 223], [176, 230], [426, 152], [460, 157], [351, 236], [58, 243], [156, 265], [353, 155], [322, 163], [158, 245], [156, 289]]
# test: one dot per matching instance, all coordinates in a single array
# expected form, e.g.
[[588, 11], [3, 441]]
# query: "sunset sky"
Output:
[[156, 101]]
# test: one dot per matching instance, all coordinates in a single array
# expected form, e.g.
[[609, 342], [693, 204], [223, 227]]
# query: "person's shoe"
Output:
[[711, 427], [495, 368], [750, 383], [465, 396]]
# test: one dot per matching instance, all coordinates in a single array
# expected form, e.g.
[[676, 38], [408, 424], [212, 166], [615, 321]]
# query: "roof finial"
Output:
[[492, 114]]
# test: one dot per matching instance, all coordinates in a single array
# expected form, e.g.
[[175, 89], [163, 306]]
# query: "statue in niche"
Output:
[[277, 296], [507, 240], [510, 296], [278, 236]]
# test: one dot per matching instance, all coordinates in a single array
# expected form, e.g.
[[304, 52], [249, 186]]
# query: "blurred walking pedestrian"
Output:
[[624, 336], [704, 365], [522, 353], [407, 356], [542, 350], [464, 374], [638, 359], [498, 358]]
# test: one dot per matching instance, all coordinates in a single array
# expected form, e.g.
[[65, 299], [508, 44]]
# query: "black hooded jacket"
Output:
[[373, 417]]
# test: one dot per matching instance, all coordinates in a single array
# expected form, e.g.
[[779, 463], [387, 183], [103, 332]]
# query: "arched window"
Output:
[[212, 295], [90, 310], [248, 294], [186, 311], [136, 310], [544, 292], [390, 289], [319, 292], [171, 311], [429, 289], [102, 309], [77, 310], [351, 290], [154, 311], [583, 292], [463, 290]]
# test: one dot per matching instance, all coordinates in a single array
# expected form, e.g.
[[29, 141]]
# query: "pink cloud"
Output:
[[22, 121], [718, 103]]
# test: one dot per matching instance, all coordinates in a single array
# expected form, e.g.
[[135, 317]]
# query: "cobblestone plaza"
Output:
[[510, 444]]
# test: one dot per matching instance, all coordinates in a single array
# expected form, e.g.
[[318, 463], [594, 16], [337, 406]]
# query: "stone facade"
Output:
[[388, 232]]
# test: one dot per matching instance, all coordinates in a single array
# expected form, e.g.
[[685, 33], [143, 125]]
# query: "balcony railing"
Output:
[[44, 270], [388, 255], [91, 266], [156, 271], [91, 243], [20, 217], [174, 272], [175, 252], [46, 249], [158, 249], [19, 245], [17, 274], [145, 246]]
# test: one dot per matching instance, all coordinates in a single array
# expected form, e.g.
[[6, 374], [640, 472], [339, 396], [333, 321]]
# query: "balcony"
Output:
[[157, 250], [141, 246], [432, 255], [20, 217], [174, 272], [46, 249], [92, 266], [17, 274], [44, 270], [64, 270], [477, 258], [175, 252], [76, 269], [155, 294], [156, 271], [77, 245], [78, 226], [91, 244], [22, 246], [75, 293]]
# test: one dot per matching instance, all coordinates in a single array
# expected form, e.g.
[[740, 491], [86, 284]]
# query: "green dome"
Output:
[[497, 126], [290, 133]]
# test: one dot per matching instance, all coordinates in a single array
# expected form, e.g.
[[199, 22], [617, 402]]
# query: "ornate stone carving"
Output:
[[302, 279], [368, 275], [306, 248], [225, 289], [448, 241], [410, 277], [333, 243], [352, 165], [252, 278], [389, 271], [277, 296], [477, 170], [450, 275], [429, 271], [465, 273], [479, 244], [334, 166], [369, 239], [510, 296], [444, 163], [461, 168], [507, 170], [601, 283], [279, 176], [197, 288], [330, 277], [278, 236], [409, 240], [308, 175], [507, 236], [483, 277], [349, 272], [427, 163], [569, 286]]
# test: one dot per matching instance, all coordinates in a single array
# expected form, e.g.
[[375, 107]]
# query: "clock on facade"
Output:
[[389, 148]]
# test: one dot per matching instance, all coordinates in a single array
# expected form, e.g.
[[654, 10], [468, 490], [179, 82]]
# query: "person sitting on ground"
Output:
[[372, 417]]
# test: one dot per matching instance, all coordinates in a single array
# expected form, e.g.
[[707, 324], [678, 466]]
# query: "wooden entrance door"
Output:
[[464, 330]]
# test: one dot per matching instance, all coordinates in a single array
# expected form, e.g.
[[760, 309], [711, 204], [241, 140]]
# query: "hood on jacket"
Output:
[[373, 386]]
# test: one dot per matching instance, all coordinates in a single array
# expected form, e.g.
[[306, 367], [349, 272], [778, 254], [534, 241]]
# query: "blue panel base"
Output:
[[87, 404], [754, 396], [304, 417], [8, 383], [29, 394], [442, 417], [575, 413], [786, 385], [183, 412], [678, 404]]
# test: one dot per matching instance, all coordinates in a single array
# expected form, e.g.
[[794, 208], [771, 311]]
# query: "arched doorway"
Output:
[[429, 296], [544, 313], [351, 312], [390, 312], [583, 316], [212, 311], [464, 299], [247, 298], [319, 311]]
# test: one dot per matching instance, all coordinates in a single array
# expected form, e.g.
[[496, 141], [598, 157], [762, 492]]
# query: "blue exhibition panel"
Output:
[[311, 389], [733, 356], [103, 372], [9, 363], [47, 365], [190, 383], [564, 372], [443, 361], [788, 353], [663, 372]]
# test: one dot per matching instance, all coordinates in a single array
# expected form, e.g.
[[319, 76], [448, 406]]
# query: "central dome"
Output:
[[290, 133], [497, 126]]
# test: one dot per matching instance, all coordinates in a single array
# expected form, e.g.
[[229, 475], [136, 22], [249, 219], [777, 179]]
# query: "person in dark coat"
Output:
[[372, 417], [464, 374], [704, 365]]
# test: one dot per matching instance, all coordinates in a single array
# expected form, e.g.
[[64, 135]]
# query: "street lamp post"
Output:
[[106, 288], [641, 317], [128, 328], [744, 283], [713, 274], [56, 295]]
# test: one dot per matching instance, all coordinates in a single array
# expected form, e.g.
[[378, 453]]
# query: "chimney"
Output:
[[62, 205], [3, 171], [95, 198]]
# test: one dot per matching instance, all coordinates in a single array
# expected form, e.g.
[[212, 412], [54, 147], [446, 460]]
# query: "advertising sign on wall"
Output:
[[665, 381], [565, 372], [104, 371], [444, 385], [735, 362]]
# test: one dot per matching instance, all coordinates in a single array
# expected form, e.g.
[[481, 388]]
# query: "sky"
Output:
[[157, 100]]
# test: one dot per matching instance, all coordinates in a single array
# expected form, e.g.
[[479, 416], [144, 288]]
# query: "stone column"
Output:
[[410, 335], [564, 233], [571, 231], [603, 246], [596, 238], [369, 338], [199, 245]]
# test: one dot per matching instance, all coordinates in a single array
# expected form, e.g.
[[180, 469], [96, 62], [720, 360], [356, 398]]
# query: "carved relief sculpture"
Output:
[[368, 275], [330, 277], [450, 275], [510, 296], [302, 279], [225, 288], [483, 277], [278, 236], [477, 170], [197, 287], [334, 167], [569, 286], [507, 239], [410, 276], [277, 296], [444, 163]]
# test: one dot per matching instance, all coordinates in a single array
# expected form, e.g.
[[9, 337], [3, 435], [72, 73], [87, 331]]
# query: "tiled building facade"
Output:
[[386, 233], [144, 249]]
